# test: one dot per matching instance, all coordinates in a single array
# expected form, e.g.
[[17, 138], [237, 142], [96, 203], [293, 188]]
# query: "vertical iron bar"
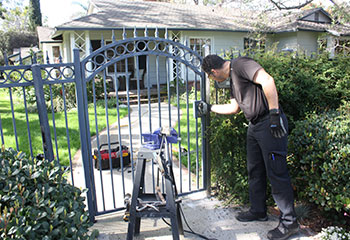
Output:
[[149, 94], [119, 132], [13, 119], [188, 132], [169, 97], [44, 121], [197, 151], [149, 106], [27, 120], [128, 101], [205, 95], [54, 124], [2, 134], [138, 94], [67, 131], [98, 142], [83, 127], [179, 121], [158, 91], [108, 134]]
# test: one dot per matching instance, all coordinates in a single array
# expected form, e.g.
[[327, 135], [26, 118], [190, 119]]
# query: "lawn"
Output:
[[191, 134], [62, 151]]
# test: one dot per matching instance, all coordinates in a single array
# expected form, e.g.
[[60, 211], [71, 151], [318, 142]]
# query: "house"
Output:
[[50, 47], [23, 55], [206, 29]]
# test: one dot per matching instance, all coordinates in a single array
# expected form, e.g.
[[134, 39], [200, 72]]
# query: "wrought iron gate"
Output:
[[166, 77]]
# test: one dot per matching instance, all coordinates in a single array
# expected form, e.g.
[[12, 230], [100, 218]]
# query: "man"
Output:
[[254, 92]]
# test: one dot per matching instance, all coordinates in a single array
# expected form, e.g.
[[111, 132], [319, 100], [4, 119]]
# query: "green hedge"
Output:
[[227, 146], [305, 85], [37, 202], [308, 84], [319, 161]]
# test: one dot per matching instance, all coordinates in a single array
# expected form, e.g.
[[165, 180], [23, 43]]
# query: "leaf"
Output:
[[36, 175], [59, 210]]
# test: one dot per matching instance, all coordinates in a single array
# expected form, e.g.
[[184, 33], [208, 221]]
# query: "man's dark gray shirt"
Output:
[[249, 95]]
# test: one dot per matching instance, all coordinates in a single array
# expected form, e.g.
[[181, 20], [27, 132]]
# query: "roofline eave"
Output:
[[60, 29]]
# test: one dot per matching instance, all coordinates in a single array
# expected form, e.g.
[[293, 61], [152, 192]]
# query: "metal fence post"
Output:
[[42, 111], [206, 148], [83, 128]]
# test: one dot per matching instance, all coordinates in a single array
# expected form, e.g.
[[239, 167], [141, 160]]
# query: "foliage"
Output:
[[15, 18], [35, 18], [13, 39], [228, 155], [37, 202], [319, 160], [2, 10], [340, 12], [305, 85], [331, 233]]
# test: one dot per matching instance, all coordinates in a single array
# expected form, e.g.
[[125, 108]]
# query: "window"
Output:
[[56, 53], [251, 44], [201, 45], [317, 16]]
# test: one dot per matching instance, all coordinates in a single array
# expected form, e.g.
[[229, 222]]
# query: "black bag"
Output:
[[115, 156]]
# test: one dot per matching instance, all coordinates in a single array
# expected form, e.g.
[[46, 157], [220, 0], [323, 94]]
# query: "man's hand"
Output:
[[203, 108], [276, 124]]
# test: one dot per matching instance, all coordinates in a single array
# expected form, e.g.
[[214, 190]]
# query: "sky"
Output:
[[56, 12]]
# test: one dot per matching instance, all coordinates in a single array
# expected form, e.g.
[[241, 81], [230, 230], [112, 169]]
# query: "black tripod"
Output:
[[155, 205]]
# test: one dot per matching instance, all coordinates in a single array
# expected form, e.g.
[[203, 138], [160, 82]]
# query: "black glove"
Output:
[[276, 124], [203, 108]]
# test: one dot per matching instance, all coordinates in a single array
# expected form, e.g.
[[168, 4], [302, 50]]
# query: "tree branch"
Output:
[[281, 6]]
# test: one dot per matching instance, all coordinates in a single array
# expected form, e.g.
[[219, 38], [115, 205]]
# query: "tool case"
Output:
[[115, 156]]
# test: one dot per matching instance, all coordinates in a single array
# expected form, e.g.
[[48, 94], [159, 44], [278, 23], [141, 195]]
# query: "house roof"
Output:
[[302, 20], [129, 14], [45, 33], [139, 14]]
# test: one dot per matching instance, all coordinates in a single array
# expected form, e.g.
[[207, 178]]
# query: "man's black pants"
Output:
[[266, 157]]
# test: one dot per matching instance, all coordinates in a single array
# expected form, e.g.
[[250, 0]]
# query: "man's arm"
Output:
[[231, 108], [268, 85]]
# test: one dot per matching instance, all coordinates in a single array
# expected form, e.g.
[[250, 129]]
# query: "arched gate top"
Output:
[[137, 46]]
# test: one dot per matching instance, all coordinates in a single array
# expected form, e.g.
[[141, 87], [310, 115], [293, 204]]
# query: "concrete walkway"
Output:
[[206, 216]]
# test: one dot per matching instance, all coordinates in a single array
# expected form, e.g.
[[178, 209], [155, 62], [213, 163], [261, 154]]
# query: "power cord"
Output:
[[190, 231]]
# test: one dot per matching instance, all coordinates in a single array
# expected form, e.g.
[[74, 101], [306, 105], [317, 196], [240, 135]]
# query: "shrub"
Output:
[[319, 163], [37, 202], [331, 233], [308, 84], [228, 155], [304, 85]]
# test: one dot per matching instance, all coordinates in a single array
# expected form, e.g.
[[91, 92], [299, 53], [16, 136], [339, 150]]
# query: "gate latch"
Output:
[[200, 108]]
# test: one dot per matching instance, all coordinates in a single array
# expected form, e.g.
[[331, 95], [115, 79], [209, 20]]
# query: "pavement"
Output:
[[205, 215]]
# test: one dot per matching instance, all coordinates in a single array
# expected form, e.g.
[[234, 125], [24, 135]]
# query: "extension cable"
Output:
[[191, 231]]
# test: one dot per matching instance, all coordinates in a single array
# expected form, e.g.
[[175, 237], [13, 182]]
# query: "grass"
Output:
[[191, 133], [62, 150]]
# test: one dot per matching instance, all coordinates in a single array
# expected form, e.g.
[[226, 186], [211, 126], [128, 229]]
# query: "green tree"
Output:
[[35, 18], [2, 10]]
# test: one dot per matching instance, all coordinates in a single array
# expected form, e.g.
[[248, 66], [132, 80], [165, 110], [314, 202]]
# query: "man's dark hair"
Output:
[[212, 62]]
